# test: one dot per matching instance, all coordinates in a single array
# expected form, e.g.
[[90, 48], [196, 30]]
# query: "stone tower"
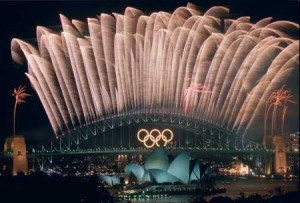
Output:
[[280, 155], [15, 146]]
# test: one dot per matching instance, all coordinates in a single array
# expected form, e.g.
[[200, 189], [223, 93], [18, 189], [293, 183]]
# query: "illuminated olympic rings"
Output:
[[150, 137]]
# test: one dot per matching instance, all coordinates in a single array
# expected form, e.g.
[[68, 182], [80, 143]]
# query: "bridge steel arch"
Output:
[[213, 136]]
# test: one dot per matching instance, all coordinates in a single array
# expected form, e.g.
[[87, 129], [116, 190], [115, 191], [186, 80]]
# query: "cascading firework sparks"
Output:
[[279, 99], [116, 64], [196, 88]]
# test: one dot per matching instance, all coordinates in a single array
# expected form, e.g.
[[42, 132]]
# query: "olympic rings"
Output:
[[151, 137]]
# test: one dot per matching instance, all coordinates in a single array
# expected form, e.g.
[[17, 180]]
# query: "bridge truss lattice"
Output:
[[211, 136]]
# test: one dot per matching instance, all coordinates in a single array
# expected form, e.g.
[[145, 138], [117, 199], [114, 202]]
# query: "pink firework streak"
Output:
[[196, 88], [278, 99], [20, 96]]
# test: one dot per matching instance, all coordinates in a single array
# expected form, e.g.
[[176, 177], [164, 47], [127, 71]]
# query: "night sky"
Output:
[[19, 20]]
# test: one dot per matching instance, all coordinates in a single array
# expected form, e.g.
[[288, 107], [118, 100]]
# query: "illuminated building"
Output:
[[239, 169], [122, 161], [8, 145], [199, 64], [159, 169], [110, 180], [292, 142]]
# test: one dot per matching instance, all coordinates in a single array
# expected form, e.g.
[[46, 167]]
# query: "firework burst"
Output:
[[277, 104], [20, 96], [130, 63], [195, 88]]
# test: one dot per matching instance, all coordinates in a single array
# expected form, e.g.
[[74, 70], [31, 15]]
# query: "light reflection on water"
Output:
[[174, 198], [263, 187]]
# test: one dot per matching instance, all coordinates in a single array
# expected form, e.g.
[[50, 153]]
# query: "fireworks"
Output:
[[196, 88], [187, 62], [277, 104], [20, 95]]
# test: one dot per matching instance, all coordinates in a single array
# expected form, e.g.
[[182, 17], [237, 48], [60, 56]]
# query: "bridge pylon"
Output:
[[15, 147], [275, 163], [280, 155]]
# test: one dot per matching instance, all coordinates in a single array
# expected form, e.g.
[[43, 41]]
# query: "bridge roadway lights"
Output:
[[198, 152], [217, 137], [44, 158]]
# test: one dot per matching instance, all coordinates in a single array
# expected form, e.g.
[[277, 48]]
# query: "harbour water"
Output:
[[263, 187]]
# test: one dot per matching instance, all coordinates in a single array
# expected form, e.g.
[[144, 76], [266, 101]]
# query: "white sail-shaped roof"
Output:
[[136, 170], [110, 180], [161, 176], [157, 160], [146, 177], [180, 170], [180, 167], [196, 172]]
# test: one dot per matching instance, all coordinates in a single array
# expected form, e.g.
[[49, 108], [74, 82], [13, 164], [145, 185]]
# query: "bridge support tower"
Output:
[[280, 155], [15, 147], [275, 163]]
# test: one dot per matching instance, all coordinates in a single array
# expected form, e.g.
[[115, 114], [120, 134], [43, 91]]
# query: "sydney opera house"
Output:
[[110, 180], [205, 65], [159, 168]]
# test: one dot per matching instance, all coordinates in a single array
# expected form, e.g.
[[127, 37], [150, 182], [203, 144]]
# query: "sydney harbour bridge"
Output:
[[207, 136], [205, 73]]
